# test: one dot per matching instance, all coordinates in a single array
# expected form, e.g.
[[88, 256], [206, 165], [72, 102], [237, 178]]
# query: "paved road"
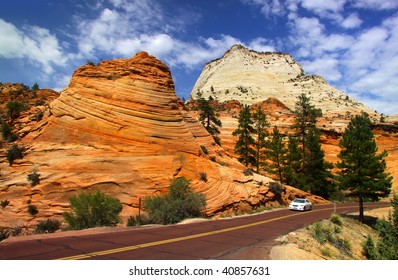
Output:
[[216, 239]]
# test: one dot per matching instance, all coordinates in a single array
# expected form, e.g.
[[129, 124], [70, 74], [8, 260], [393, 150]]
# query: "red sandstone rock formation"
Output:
[[119, 128]]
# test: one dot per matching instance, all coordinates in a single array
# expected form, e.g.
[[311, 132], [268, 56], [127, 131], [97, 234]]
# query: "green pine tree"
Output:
[[209, 118], [292, 170], [317, 173], [306, 116], [362, 170], [244, 132], [386, 247], [260, 131], [277, 153]]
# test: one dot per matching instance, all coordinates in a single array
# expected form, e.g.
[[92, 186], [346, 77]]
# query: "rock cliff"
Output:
[[119, 128]]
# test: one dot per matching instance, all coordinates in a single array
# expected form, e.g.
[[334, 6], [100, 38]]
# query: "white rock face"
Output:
[[250, 77]]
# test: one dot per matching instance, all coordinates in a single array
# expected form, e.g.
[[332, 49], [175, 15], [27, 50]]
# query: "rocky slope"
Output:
[[250, 77], [119, 128]]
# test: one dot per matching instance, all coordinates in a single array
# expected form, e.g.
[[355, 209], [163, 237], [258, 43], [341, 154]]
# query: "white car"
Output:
[[300, 204]]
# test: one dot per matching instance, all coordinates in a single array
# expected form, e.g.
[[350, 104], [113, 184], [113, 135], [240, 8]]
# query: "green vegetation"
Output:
[[178, 204], [4, 203], [362, 170], [203, 176], [329, 233], [13, 153], [336, 219], [245, 143], [92, 210], [306, 116], [32, 209], [208, 117], [14, 109], [35, 87], [318, 178], [34, 178], [386, 248], [136, 221], [292, 174], [260, 143], [314, 174], [6, 132], [277, 153], [48, 226], [4, 234], [300, 163]]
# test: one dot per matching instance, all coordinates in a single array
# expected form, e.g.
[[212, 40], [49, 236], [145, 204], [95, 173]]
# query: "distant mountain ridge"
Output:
[[250, 77]]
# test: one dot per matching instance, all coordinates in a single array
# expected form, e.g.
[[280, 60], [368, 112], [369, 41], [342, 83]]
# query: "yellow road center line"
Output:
[[182, 238]]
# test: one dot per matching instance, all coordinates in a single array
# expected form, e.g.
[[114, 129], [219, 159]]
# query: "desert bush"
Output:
[[32, 209], [6, 132], [34, 178], [137, 221], [323, 233], [13, 153], [4, 234], [203, 176], [204, 150], [326, 252], [336, 219], [92, 210], [48, 226], [179, 203], [14, 109], [132, 221], [16, 231], [4, 203]]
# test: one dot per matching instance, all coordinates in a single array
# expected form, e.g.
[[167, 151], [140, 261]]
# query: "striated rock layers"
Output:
[[250, 77], [119, 128]]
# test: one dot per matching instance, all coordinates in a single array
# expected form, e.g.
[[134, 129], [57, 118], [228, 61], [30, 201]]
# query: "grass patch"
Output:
[[328, 232]]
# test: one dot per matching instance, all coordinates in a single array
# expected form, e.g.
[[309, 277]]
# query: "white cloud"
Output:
[[34, 44], [372, 64], [268, 7], [365, 51], [310, 37], [364, 62], [117, 30], [324, 66], [261, 45], [352, 21], [324, 8], [375, 4]]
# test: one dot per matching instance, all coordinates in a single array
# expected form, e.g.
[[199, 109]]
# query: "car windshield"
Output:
[[299, 200]]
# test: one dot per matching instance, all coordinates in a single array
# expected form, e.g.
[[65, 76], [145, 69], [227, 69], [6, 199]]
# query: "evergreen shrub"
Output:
[[178, 204], [92, 210]]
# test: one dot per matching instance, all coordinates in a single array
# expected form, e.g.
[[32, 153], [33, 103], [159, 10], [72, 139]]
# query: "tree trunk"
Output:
[[361, 209]]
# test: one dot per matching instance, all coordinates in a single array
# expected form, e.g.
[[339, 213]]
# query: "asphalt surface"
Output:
[[236, 238]]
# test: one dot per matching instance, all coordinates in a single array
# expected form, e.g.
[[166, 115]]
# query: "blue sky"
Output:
[[353, 44]]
